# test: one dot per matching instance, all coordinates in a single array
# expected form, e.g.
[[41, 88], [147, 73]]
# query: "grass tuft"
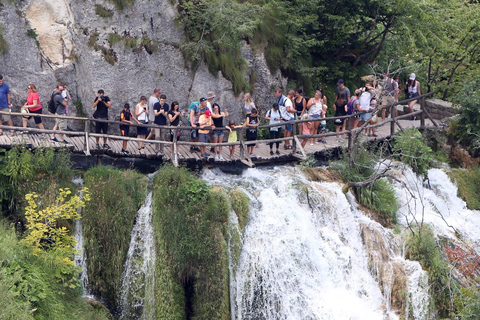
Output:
[[103, 12], [468, 183]]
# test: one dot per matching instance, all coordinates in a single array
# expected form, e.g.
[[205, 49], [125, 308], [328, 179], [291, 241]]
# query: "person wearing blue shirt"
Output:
[[5, 103]]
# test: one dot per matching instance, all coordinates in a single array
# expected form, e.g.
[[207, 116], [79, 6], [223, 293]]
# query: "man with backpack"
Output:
[[58, 105], [389, 94]]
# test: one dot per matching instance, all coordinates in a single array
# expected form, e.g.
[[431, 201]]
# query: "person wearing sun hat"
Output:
[[205, 124], [413, 91]]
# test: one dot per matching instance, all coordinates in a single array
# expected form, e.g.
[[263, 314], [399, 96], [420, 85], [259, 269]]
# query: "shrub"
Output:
[[130, 42], [103, 12], [114, 38], [30, 287], [190, 220], [422, 247], [412, 149], [108, 219], [379, 196], [468, 183]]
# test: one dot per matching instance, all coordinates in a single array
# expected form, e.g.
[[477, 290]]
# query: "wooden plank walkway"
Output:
[[262, 151]]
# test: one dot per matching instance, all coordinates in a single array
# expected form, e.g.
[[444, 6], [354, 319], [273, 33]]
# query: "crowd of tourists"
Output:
[[207, 120]]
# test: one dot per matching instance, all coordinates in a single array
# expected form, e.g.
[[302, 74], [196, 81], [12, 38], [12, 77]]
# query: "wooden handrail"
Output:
[[295, 138]]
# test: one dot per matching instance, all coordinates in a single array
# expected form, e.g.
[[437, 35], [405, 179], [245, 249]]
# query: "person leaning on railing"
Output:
[[61, 107]]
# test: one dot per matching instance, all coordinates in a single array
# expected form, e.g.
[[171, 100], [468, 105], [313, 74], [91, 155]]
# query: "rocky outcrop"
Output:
[[440, 109], [91, 45]]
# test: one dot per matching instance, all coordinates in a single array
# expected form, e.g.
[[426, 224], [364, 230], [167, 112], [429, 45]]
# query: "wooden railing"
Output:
[[351, 133]]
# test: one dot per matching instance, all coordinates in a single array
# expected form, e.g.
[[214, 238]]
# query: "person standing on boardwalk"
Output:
[[413, 91], [341, 89], [5, 103], [205, 124], [252, 123], [33, 105], [102, 103], [174, 116], [141, 112], [151, 115], [161, 113], [210, 97], [194, 110], [126, 118], [274, 117], [249, 104], [389, 94], [61, 107], [66, 95], [218, 133]]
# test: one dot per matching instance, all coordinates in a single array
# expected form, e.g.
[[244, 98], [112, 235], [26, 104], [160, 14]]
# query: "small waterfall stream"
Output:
[[137, 293]]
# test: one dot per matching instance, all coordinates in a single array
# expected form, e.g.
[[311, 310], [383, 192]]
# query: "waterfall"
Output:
[[302, 255], [80, 260], [137, 294]]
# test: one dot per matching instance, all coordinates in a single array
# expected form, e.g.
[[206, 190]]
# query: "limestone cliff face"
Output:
[[89, 52]]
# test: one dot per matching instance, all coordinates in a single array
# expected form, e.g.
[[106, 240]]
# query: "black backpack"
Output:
[[52, 107]]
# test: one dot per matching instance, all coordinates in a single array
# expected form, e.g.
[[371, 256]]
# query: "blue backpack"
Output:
[[350, 108]]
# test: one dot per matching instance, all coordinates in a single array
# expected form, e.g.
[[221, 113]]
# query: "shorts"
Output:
[[61, 123], [387, 100], [37, 119], [101, 127], [314, 116], [251, 135], [142, 131], [364, 116], [218, 133], [289, 127], [193, 134], [125, 130], [203, 137], [414, 95], [6, 117]]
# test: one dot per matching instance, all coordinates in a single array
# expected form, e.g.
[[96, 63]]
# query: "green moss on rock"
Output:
[[108, 219], [190, 221]]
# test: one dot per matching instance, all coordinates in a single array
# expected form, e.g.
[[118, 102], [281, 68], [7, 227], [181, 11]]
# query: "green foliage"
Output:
[[241, 205], [422, 247], [79, 107], [93, 39], [130, 42], [103, 12], [114, 38], [413, 150], [3, 42], [378, 196], [190, 220], [30, 287], [122, 4], [150, 46], [32, 33], [109, 55], [467, 303], [24, 171], [108, 219], [467, 127], [468, 183]]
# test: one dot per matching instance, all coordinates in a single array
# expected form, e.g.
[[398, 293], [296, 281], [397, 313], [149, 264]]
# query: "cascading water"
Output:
[[302, 255], [138, 279], [80, 260]]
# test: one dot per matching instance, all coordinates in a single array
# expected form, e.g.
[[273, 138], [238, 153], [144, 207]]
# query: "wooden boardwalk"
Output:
[[83, 142], [262, 151]]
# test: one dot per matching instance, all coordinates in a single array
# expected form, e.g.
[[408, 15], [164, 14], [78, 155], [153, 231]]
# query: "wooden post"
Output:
[[87, 137], [422, 115], [240, 138], [294, 138], [175, 155], [393, 112]]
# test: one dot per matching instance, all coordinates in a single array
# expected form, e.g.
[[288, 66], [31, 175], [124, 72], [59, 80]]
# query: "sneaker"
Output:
[[271, 152], [191, 149], [252, 155], [196, 149], [220, 157], [323, 141], [311, 144], [96, 146], [216, 157], [64, 141], [277, 152], [55, 140], [204, 155], [123, 150], [207, 154], [106, 146]]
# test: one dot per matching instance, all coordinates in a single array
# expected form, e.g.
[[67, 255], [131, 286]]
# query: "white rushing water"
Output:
[[302, 255], [80, 260], [138, 279]]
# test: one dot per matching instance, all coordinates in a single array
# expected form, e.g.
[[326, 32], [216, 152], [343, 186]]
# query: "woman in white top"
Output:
[[413, 89], [315, 109], [141, 112], [249, 105]]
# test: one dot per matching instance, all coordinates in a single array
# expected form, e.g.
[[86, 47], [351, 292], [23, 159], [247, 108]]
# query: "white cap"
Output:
[[412, 76]]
